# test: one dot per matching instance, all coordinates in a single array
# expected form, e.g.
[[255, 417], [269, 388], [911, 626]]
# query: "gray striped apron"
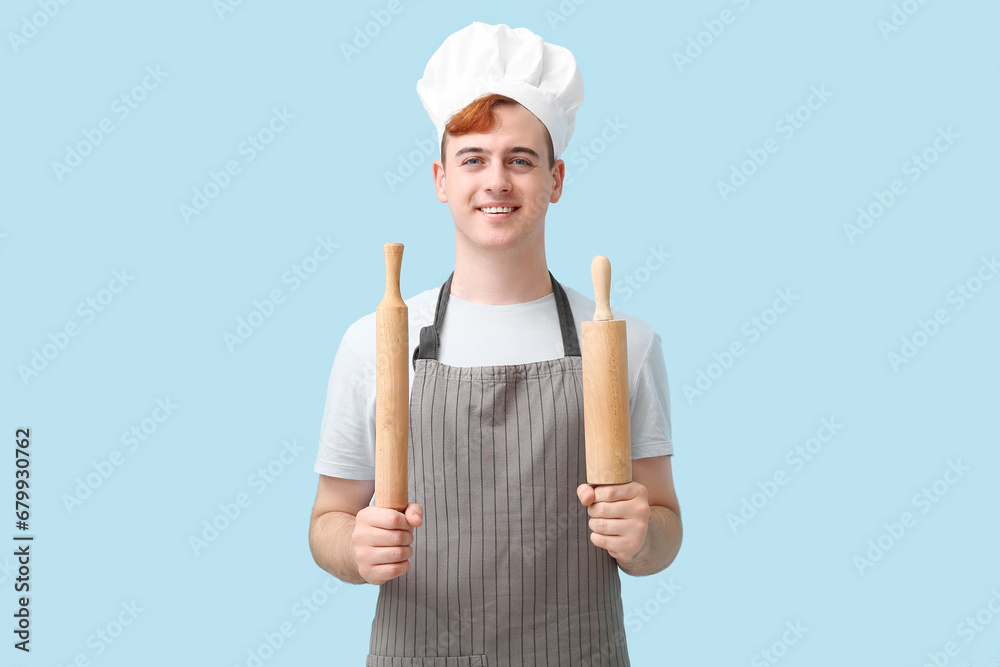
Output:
[[503, 571]]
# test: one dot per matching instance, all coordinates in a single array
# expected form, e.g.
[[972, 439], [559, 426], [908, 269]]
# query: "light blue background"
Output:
[[654, 186]]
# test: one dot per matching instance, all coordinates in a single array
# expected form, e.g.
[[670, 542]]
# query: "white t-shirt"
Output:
[[476, 334]]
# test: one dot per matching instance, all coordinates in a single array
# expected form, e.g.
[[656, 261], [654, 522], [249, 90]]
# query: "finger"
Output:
[[617, 547], [380, 537], [599, 540], [414, 515], [618, 492], [382, 517], [389, 555], [370, 542], [609, 527], [585, 492], [608, 511], [623, 509], [380, 574]]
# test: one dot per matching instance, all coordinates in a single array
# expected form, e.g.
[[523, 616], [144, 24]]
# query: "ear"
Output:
[[558, 176], [439, 182]]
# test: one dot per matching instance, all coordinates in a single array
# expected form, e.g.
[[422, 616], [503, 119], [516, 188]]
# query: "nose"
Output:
[[497, 177]]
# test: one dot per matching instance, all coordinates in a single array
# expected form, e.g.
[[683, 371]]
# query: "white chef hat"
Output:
[[481, 59]]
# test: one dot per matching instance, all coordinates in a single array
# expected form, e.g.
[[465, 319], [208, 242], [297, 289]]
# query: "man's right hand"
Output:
[[381, 541]]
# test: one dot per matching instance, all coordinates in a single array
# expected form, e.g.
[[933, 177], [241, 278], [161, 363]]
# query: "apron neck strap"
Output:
[[430, 336]]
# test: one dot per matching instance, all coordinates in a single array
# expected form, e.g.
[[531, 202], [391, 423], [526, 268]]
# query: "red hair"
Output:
[[479, 117]]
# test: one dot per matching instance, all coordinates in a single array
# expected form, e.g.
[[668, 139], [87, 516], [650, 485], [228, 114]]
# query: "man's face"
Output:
[[507, 168]]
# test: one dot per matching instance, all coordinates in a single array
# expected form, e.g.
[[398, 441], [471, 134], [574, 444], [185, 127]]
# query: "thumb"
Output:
[[414, 515]]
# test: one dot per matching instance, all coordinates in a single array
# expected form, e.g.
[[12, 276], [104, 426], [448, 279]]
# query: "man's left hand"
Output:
[[619, 517]]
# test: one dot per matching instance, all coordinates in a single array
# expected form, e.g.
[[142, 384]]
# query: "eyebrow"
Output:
[[509, 151]]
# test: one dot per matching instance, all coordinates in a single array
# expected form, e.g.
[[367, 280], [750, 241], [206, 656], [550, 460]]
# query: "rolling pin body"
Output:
[[605, 388], [392, 419]]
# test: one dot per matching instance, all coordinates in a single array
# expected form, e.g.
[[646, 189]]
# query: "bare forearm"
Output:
[[663, 541], [330, 542]]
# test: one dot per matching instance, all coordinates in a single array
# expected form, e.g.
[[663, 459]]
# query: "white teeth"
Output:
[[497, 209]]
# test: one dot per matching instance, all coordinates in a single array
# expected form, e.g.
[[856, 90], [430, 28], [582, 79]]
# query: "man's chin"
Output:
[[499, 237], [492, 241]]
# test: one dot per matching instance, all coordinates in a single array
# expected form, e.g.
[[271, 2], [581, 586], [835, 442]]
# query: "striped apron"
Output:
[[503, 571]]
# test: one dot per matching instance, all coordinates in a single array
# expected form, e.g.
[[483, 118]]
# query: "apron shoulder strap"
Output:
[[430, 336], [567, 324], [430, 339]]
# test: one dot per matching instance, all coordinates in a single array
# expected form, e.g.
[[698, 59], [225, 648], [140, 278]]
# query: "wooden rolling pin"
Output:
[[605, 387], [392, 403]]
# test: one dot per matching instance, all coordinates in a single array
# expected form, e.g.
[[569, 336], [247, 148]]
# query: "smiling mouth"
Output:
[[496, 210]]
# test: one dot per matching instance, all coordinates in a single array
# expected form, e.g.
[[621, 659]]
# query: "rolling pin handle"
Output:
[[393, 268], [600, 273]]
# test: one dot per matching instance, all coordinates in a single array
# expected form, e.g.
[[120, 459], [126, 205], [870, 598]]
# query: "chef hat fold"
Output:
[[481, 59]]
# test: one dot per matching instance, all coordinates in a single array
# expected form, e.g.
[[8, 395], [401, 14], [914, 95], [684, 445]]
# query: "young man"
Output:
[[504, 557]]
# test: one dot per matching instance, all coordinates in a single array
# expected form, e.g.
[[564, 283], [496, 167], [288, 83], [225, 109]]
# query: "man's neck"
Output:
[[501, 278]]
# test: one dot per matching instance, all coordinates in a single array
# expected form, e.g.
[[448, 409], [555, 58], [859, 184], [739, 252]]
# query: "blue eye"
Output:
[[471, 160]]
